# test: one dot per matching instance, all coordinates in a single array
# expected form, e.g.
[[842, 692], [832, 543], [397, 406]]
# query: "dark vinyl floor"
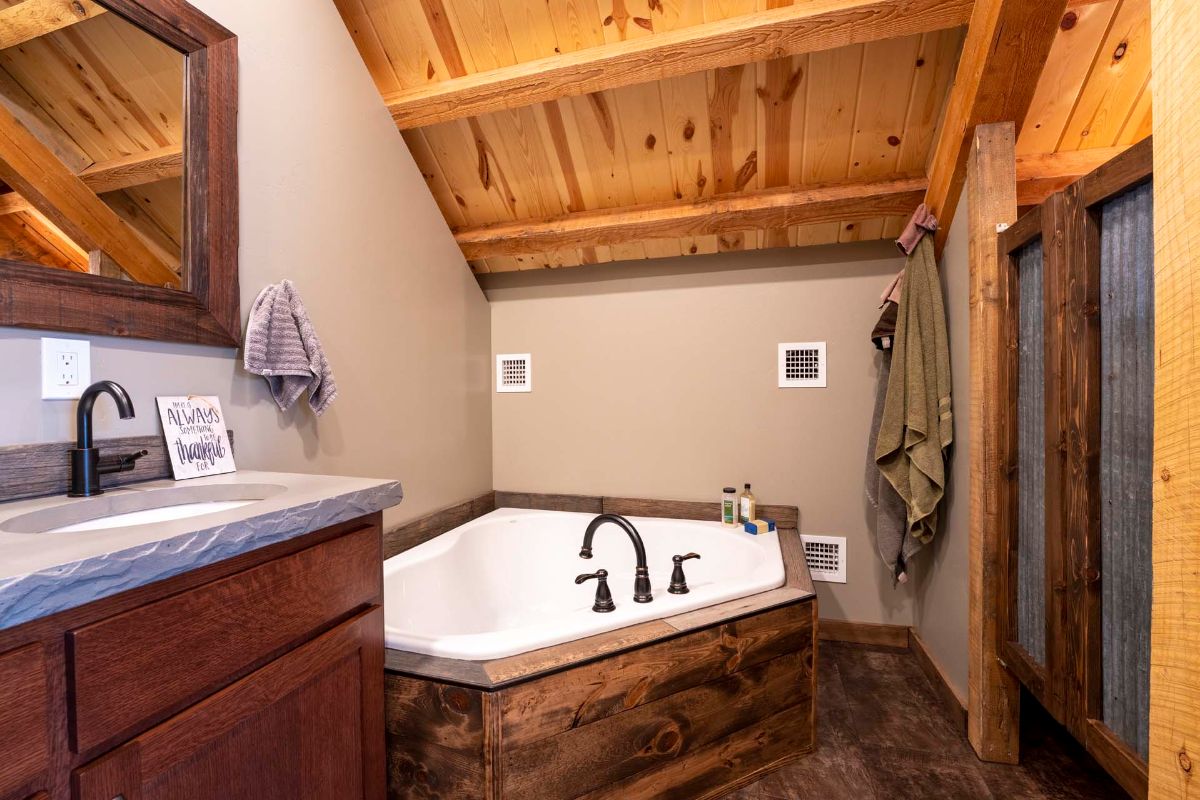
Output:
[[881, 735]]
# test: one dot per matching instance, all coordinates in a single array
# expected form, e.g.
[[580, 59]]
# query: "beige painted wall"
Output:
[[941, 592], [660, 381], [331, 199]]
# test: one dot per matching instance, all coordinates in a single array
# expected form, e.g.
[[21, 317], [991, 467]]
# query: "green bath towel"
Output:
[[917, 424]]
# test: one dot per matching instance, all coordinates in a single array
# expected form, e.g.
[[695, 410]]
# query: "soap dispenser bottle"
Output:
[[747, 506]]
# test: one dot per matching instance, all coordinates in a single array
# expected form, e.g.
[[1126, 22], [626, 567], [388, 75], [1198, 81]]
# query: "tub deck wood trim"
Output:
[[703, 712], [501, 672]]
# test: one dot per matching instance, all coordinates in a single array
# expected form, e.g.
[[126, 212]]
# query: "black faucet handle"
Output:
[[600, 575], [121, 463], [127, 461], [604, 602], [678, 579]]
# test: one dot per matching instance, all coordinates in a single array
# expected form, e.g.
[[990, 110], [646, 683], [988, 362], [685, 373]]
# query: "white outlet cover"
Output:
[[66, 368]]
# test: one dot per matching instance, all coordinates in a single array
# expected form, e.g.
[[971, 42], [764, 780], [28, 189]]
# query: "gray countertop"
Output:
[[44, 573]]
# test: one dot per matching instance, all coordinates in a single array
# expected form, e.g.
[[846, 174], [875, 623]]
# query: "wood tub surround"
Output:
[[265, 669], [690, 706]]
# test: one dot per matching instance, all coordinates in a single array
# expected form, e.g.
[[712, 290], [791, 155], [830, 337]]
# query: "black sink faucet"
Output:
[[641, 579], [85, 458]]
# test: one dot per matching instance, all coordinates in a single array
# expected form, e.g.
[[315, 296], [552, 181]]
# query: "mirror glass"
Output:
[[91, 144]]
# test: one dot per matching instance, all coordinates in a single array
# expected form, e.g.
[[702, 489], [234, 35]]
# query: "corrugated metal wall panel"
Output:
[[1126, 460], [1031, 454]]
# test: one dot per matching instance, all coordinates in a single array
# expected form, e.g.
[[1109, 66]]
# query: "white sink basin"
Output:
[[182, 511], [128, 508]]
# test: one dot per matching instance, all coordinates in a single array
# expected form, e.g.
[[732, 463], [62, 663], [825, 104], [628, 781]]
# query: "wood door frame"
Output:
[[1070, 684], [206, 310]]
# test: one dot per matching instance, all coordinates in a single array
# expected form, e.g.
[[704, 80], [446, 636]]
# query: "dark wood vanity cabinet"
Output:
[[294, 729], [257, 677]]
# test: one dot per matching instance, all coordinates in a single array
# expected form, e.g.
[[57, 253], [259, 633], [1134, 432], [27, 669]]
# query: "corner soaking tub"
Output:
[[504, 583]]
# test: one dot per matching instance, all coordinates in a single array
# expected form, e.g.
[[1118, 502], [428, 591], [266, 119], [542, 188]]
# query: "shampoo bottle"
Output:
[[729, 502], [747, 506]]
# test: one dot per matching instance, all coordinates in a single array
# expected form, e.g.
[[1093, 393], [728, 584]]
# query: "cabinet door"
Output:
[[24, 721], [307, 726]]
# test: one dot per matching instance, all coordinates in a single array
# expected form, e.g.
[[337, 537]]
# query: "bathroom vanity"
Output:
[[236, 653]]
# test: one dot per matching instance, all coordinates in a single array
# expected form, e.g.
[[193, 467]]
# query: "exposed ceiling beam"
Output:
[[30, 19], [134, 170], [770, 208], [1006, 46], [33, 171], [801, 28], [120, 173], [1039, 176]]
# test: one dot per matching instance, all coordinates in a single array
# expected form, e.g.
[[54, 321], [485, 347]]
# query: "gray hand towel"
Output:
[[282, 346]]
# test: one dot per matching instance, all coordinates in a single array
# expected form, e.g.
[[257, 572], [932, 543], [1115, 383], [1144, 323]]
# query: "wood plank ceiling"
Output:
[[621, 161], [106, 100], [1093, 99]]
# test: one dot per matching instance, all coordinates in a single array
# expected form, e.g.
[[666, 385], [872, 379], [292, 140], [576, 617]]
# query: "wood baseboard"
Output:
[[952, 704], [840, 630]]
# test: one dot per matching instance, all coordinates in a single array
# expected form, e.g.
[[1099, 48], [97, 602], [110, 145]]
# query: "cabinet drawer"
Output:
[[139, 666], [24, 717]]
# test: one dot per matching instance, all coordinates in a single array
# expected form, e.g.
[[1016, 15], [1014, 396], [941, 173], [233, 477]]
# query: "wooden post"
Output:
[[1175, 631], [993, 703]]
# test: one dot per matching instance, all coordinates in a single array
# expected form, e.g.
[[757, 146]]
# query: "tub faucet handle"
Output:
[[604, 602], [678, 579]]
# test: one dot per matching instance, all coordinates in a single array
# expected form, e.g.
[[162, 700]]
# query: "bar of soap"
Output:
[[759, 526]]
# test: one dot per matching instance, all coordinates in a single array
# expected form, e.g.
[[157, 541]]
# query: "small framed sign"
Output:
[[196, 436]]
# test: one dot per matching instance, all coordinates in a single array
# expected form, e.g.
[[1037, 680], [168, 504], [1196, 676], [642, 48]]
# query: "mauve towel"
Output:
[[282, 346], [922, 222]]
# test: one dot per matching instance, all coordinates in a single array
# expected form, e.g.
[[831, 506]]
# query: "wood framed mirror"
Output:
[[118, 156]]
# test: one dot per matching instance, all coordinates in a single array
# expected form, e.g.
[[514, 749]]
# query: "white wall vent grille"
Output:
[[514, 372], [802, 365], [826, 557]]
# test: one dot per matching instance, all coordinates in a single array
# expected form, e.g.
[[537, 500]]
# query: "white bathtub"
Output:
[[504, 583]]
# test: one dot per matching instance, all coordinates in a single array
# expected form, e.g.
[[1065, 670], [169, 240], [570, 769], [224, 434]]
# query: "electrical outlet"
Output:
[[66, 368]]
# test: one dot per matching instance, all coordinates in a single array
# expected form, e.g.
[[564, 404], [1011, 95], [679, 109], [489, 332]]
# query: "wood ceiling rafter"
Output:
[[33, 18], [768, 209], [34, 172], [1007, 44], [120, 173], [788, 31]]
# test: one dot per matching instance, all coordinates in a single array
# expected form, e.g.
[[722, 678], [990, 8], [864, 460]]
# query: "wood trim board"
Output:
[[1118, 760], [840, 630], [1127, 170], [952, 703]]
